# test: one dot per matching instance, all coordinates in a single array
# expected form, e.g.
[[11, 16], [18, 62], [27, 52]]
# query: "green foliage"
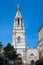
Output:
[[6, 62], [1, 44], [41, 59], [10, 52]]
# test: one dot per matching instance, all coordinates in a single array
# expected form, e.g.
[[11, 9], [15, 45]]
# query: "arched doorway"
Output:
[[32, 62], [32, 57]]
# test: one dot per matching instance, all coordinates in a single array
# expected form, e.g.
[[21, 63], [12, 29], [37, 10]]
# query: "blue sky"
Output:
[[32, 12]]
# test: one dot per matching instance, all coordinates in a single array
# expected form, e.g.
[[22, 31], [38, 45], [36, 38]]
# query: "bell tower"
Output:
[[18, 21], [19, 32]]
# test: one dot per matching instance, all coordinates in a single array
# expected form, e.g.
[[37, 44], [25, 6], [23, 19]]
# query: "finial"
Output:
[[18, 7]]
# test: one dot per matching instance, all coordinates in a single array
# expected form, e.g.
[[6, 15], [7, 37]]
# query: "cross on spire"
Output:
[[18, 7]]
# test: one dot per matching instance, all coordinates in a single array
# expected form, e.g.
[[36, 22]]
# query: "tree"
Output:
[[2, 56], [10, 52], [0, 45]]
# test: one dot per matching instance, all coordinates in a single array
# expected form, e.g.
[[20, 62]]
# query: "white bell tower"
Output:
[[19, 32]]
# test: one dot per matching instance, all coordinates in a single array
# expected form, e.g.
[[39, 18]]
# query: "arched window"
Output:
[[18, 22], [31, 54], [18, 39]]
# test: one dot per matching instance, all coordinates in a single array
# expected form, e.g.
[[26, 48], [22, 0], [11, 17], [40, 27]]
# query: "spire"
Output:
[[18, 14], [18, 7]]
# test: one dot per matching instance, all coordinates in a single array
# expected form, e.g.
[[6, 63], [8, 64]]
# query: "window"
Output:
[[18, 22], [31, 54], [18, 39]]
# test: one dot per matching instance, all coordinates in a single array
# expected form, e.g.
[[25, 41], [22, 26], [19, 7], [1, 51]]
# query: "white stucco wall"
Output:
[[33, 51]]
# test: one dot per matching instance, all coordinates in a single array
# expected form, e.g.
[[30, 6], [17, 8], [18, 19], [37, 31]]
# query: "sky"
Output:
[[32, 13]]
